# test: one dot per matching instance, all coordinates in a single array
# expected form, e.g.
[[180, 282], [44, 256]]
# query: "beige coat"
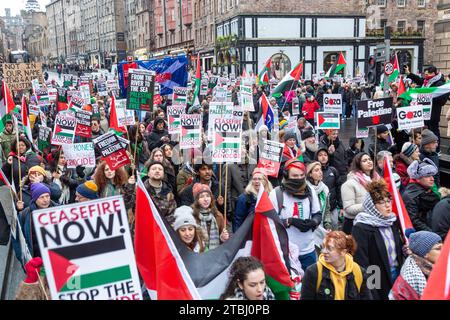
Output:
[[353, 194]]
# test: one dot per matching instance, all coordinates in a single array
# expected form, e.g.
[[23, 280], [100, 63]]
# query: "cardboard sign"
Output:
[[64, 130], [332, 103], [190, 131], [426, 100], [410, 117], [124, 117], [374, 112], [212, 83], [295, 106], [18, 76], [45, 133], [270, 158], [179, 96], [141, 87], [83, 128], [87, 251], [79, 154], [112, 150], [227, 139], [246, 98], [292, 122], [173, 114], [218, 110], [326, 120]]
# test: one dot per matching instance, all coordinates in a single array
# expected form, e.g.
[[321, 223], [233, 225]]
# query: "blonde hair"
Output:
[[249, 189]]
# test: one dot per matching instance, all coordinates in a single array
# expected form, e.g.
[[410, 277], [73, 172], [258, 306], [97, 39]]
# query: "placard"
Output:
[[326, 120], [112, 150], [374, 112], [332, 103], [410, 117], [79, 154], [246, 98], [173, 113], [270, 158], [18, 76], [141, 86], [426, 100], [179, 96], [83, 128], [190, 131], [64, 130]]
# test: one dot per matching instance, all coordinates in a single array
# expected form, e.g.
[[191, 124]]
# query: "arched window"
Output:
[[329, 58], [281, 65]]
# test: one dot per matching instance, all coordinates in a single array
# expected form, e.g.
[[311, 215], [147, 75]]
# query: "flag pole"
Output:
[[135, 142], [225, 200], [375, 149], [41, 285], [220, 179], [292, 85], [18, 161]]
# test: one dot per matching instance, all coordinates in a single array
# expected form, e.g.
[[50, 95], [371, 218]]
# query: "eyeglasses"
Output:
[[384, 202]]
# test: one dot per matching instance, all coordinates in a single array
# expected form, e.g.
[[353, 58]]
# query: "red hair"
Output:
[[341, 241]]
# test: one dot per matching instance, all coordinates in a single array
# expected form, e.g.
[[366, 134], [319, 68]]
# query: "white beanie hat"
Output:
[[184, 217]]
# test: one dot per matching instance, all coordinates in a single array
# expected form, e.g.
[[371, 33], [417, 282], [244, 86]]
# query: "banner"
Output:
[[173, 114], [326, 120], [179, 96], [190, 131], [141, 86], [270, 158], [218, 110], [18, 76], [410, 117], [247, 98], [83, 128], [374, 112], [64, 130], [101, 88], [426, 100], [112, 150], [125, 117], [79, 154], [295, 107], [228, 138], [45, 134], [332, 103], [87, 251]]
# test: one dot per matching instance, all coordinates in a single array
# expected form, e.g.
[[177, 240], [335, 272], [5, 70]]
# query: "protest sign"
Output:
[[141, 86], [85, 79], [179, 96], [204, 87], [173, 114], [190, 131], [227, 139], [112, 150], [292, 122], [212, 83], [426, 100], [35, 85], [247, 98], [326, 120], [217, 110], [79, 154], [125, 117], [295, 106], [332, 103], [67, 80], [64, 130], [62, 94], [18, 76], [45, 134], [362, 132], [77, 99], [85, 94], [34, 109], [220, 94], [101, 88], [374, 112], [410, 117], [87, 251], [52, 94], [270, 158], [83, 128], [113, 87]]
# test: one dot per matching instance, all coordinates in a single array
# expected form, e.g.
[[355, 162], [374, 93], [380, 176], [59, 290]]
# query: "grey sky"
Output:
[[17, 5]]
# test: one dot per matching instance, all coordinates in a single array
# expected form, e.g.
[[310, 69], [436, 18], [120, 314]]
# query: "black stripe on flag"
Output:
[[191, 127], [92, 248]]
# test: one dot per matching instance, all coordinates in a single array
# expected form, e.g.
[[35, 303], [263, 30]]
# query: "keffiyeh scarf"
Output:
[[372, 217], [239, 294]]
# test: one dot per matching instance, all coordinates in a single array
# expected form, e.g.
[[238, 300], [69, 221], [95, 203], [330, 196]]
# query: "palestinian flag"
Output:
[[398, 207], [401, 87], [6, 105], [434, 91], [198, 83], [393, 77], [289, 80], [26, 120], [190, 132], [263, 77], [171, 271], [338, 65], [438, 284], [267, 112], [327, 120], [227, 140], [113, 122]]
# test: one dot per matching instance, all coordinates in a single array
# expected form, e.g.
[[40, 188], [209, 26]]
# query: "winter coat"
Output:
[[308, 109], [382, 145], [401, 163], [326, 290], [433, 156], [187, 197], [353, 194], [352, 151], [331, 179], [5, 142], [410, 283], [440, 218], [245, 205], [27, 161], [338, 158], [55, 193], [419, 203], [184, 178], [70, 179], [239, 175], [371, 250], [164, 201], [308, 156], [154, 138]]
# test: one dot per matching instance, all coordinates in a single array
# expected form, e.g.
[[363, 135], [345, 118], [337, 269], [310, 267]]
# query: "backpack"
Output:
[[357, 274], [280, 198]]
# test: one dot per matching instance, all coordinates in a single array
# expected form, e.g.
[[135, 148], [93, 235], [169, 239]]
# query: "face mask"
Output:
[[294, 186]]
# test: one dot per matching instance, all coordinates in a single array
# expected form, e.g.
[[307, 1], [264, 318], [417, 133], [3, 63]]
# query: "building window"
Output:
[[401, 25], [383, 23], [421, 3], [421, 26], [381, 3], [281, 64], [401, 3]]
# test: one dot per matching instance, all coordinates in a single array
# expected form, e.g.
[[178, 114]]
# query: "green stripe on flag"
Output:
[[65, 134], [329, 125], [229, 145], [280, 291], [100, 278]]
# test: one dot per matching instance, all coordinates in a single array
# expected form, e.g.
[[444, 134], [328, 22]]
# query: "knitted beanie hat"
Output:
[[200, 188], [307, 134], [428, 137], [422, 242], [88, 190], [184, 216], [37, 190], [426, 168], [38, 169], [283, 124], [408, 149], [289, 134]]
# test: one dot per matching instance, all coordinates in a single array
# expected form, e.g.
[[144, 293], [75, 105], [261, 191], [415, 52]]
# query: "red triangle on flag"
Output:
[[219, 139], [171, 119], [62, 268], [183, 131], [57, 129], [321, 119]]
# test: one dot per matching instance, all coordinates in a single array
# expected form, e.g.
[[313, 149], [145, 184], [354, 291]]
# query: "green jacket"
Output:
[[5, 142]]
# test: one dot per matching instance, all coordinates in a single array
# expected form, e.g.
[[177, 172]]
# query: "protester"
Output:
[[377, 234], [104, 119], [185, 177], [247, 281], [111, 182], [141, 152], [67, 179], [6, 138], [246, 202], [418, 197], [38, 174], [440, 216], [428, 150], [208, 217], [309, 152], [86, 192], [425, 249], [96, 130], [157, 155], [380, 142], [159, 134], [336, 276], [336, 151], [298, 206], [187, 229], [409, 153], [290, 149], [354, 190], [356, 145], [310, 107]]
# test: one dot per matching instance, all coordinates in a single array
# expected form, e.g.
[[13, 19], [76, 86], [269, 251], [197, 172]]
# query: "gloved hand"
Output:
[[304, 225], [80, 171], [32, 268]]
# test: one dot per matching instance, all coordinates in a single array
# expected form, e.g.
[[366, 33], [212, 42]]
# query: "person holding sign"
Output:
[[113, 182]]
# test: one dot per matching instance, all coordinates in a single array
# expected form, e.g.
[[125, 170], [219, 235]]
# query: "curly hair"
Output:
[[21, 139], [378, 190], [239, 271], [120, 179], [341, 241]]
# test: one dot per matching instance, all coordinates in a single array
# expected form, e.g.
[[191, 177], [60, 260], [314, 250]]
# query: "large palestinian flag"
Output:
[[434, 91], [113, 122], [171, 271], [288, 81], [337, 66]]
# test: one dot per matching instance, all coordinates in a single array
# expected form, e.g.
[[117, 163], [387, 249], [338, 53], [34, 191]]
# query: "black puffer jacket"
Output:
[[382, 145], [331, 180], [352, 151], [154, 138], [440, 218], [419, 202], [338, 159]]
